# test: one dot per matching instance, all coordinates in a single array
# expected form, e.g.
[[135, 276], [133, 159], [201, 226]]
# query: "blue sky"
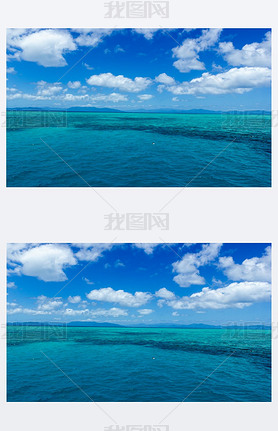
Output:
[[130, 69], [140, 283]]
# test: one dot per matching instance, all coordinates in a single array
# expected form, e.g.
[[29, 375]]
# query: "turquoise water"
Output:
[[131, 364], [138, 150]]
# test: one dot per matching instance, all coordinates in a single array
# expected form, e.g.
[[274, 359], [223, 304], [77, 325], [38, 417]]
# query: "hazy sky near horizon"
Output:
[[140, 283], [218, 69]]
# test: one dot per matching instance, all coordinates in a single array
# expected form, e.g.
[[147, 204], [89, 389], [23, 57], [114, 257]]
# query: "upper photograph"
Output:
[[117, 107]]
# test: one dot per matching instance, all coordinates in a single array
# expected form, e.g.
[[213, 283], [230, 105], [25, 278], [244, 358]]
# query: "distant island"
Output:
[[138, 111], [159, 325]]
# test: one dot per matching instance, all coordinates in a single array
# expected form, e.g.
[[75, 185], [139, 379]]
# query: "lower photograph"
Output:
[[139, 322]]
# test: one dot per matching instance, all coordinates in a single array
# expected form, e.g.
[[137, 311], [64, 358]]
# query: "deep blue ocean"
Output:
[[138, 150], [138, 364]]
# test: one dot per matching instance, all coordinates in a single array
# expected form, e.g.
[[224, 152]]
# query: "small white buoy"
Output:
[[153, 143]]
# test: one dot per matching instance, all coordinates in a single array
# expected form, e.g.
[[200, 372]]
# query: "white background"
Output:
[[196, 215]]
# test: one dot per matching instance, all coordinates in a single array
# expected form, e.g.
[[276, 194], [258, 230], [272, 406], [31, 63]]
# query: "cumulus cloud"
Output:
[[44, 47], [111, 312], [188, 52], [75, 312], [91, 252], [254, 269], [119, 264], [235, 295], [107, 294], [148, 33], [74, 84], [118, 48], [113, 97], [11, 70], [253, 54], [48, 89], [120, 82], [147, 247], [74, 299], [188, 267], [47, 262], [165, 293], [163, 78], [91, 37], [145, 97], [87, 280], [145, 311], [24, 310], [236, 80], [48, 304], [56, 92]]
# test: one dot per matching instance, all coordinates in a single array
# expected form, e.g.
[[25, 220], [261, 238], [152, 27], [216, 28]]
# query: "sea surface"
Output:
[[138, 364], [77, 149]]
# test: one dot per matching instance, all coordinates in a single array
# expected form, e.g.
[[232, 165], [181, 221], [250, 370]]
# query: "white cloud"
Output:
[[163, 78], [235, 80], [165, 293], [46, 89], [107, 294], [91, 252], [188, 267], [254, 269], [235, 295], [113, 97], [46, 261], [74, 85], [120, 82], [48, 304], [74, 299], [11, 285], [147, 247], [175, 314], [87, 280], [68, 97], [88, 67], [145, 97], [118, 48], [253, 54], [111, 312], [148, 33], [119, 264], [188, 52], [44, 47], [23, 310], [11, 304], [91, 37], [145, 311], [73, 312], [11, 70]]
